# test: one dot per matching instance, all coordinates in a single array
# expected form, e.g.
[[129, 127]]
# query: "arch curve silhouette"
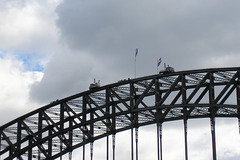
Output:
[[72, 122]]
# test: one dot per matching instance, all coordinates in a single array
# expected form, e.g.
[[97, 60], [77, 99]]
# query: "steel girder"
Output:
[[72, 122]]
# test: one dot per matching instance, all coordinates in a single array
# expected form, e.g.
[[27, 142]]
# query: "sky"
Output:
[[51, 49]]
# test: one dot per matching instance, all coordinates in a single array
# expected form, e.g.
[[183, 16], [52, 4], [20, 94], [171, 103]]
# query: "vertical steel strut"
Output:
[[212, 114], [30, 150], [185, 116], [213, 138], [132, 104], [50, 143], [60, 150], [239, 124], [70, 139], [108, 94], [91, 133], [91, 150], [84, 109], [39, 156], [0, 144], [159, 140], [132, 148], [185, 138], [61, 127], [113, 145], [113, 128], [70, 155], [19, 132], [238, 100], [136, 130], [107, 148], [159, 123], [40, 126], [83, 147]]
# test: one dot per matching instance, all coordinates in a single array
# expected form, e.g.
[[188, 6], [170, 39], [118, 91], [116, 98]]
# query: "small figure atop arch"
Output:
[[94, 84], [167, 69]]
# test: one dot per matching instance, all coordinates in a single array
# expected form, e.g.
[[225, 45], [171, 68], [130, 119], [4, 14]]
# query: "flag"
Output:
[[159, 62], [136, 52]]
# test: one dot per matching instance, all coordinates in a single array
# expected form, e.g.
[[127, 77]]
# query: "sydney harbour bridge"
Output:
[[103, 111]]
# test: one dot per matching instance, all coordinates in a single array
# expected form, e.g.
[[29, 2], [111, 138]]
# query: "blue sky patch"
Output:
[[2, 52], [30, 62]]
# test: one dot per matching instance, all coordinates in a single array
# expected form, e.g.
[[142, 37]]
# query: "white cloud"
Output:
[[228, 60], [28, 38], [15, 85], [228, 138], [28, 26]]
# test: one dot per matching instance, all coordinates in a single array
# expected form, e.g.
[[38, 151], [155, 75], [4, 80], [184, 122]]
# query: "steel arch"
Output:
[[69, 123]]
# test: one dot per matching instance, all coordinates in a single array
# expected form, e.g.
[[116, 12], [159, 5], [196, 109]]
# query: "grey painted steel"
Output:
[[214, 150], [113, 145], [64, 125], [159, 141], [185, 138], [132, 145], [136, 141]]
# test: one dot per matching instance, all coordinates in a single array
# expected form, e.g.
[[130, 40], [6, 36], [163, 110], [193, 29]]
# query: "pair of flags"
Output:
[[158, 61]]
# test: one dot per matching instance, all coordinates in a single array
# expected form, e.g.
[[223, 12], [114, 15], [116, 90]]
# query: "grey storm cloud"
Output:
[[170, 29], [101, 37]]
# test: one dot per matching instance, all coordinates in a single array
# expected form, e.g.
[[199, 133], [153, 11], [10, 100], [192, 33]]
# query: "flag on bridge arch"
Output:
[[136, 52], [159, 62]]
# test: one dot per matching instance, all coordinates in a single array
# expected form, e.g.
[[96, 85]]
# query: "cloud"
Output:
[[99, 40], [227, 142], [66, 68], [28, 27], [75, 42], [28, 32], [15, 86], [28, 38], [227, 60], [179, 32]]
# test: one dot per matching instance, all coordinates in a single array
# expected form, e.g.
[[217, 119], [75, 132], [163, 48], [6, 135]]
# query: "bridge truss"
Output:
[[64, 125]]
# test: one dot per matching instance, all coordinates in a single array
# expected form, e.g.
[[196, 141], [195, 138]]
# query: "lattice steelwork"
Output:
[[64, 125]]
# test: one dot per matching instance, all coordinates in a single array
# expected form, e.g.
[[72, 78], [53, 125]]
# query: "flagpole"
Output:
[[135, 67], [136, 52]]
